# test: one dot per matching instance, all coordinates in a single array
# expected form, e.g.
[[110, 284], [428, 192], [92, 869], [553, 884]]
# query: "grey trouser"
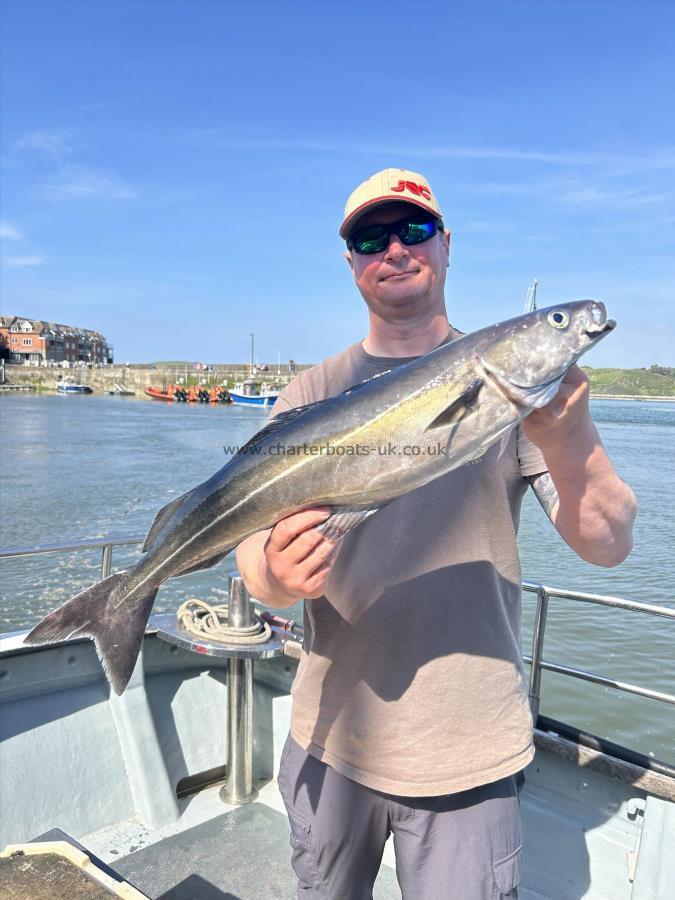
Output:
[[463, 846]]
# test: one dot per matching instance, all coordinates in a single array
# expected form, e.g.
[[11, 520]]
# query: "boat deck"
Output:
[[574, 847], [105, 768], [215, 852]]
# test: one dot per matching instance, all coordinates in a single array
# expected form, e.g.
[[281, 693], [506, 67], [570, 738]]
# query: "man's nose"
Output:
[[396, 249]]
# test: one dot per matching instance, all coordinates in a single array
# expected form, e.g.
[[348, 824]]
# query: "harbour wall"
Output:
[[137, 377]]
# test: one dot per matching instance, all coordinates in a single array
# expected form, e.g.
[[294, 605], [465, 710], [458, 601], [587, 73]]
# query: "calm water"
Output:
[[80, 467]]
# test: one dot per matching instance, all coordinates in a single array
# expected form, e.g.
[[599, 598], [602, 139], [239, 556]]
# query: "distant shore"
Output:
[[639, 385], [640, 397]]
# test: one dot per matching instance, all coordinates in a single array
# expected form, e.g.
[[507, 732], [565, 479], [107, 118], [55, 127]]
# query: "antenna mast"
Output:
[[531, 298]]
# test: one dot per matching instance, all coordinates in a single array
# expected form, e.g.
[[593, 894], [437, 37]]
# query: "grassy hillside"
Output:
[[631, 382]]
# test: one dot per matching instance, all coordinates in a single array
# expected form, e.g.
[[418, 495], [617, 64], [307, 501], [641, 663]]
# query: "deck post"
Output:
[[537, 651], [238, 788], [106, 561]]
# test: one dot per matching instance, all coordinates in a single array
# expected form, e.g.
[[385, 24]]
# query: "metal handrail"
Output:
[[600, 599], [537, 663], [104, 544], [543, 592]]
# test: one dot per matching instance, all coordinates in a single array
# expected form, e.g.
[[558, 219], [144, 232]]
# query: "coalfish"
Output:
[[461, 397]]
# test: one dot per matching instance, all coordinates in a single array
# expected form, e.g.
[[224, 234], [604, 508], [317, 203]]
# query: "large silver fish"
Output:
[[351, 452]]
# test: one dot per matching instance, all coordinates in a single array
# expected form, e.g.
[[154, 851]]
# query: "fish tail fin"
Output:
[[117, 627]]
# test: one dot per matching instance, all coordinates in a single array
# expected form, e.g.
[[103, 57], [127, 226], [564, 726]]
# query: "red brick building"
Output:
[[35, 342]]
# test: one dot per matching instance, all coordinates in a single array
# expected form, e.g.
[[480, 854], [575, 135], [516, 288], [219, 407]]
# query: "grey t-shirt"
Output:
[[411, 680]]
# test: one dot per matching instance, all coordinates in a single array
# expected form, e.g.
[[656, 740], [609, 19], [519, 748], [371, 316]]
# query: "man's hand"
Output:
[[558, 426], [290, 562], [298, 557], [595, 510]]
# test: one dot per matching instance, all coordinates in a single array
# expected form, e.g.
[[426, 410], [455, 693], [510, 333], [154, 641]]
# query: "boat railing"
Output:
[[104, 544], [538, 664], [544, 593]]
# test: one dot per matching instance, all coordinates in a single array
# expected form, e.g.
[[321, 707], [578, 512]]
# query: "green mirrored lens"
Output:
[[416, 232], [370, 240], [375, 238]]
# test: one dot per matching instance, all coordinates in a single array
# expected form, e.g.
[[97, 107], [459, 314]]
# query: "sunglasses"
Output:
[[411, 230]]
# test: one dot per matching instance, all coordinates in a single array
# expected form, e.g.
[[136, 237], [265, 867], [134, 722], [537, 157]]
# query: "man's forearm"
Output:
[[595, 509]]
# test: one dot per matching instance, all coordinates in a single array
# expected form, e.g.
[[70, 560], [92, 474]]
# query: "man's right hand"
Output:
[[290, 562]]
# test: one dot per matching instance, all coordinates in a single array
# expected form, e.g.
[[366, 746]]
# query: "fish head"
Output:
[[527, 357]]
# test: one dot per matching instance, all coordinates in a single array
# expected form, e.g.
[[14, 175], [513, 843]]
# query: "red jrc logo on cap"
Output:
[[419, 190]]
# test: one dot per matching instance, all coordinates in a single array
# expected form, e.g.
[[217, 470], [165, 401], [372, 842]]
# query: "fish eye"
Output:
[[558, 318]]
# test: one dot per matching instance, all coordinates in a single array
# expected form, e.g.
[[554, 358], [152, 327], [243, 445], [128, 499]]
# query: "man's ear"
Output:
[[446, 236], [347, 255]]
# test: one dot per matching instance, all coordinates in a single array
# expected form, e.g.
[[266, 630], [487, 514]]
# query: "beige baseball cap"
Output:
[[383, 187]]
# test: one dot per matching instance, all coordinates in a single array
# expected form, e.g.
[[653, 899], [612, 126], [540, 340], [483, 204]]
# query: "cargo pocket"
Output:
[[508, 872], [303, 860]]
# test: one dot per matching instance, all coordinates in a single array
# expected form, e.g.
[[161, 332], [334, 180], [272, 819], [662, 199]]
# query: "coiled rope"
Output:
[[211, 622]]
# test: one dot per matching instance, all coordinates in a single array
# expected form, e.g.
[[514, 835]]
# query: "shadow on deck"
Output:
[[241, 855]]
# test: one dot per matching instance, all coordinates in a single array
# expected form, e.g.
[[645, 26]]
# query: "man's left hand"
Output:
[[595, 509], [556, 427]]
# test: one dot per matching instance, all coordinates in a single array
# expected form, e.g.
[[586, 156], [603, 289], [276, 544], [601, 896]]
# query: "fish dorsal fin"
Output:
[[283, 418], [459, 407], [360, 384], [163, 517], [275, 423]]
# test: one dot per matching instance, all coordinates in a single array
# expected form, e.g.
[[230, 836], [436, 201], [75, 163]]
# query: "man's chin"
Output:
[[402, 291]]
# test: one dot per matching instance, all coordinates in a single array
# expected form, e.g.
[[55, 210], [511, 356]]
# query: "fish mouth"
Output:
[[597, 324], [598, 330]]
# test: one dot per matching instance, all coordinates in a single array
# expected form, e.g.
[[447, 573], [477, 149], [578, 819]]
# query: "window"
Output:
[[27, 342]]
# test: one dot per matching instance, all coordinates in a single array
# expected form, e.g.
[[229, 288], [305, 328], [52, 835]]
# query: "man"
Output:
[[410, 710]]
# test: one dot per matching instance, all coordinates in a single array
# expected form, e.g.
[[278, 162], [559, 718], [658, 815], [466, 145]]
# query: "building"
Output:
[[34, 342]]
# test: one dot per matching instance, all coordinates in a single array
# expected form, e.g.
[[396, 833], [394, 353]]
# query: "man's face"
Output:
[[401, 282]]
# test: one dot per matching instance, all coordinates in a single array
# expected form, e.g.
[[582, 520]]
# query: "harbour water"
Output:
[[75, 468]]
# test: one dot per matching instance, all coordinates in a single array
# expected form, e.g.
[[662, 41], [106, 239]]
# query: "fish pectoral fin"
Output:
[[162, 517], [459, 407], [343, 520]]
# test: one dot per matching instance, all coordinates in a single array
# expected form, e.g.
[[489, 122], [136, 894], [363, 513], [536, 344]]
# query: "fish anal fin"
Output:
[[207, 564], [343, 520], [163, 517], [459, 407]]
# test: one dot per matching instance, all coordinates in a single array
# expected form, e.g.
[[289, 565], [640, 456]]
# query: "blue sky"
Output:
[[174, 173]]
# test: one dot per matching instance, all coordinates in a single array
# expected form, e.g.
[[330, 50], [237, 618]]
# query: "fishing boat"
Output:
[[169, 790], [254, 393], [68, 385], [251, 392]]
